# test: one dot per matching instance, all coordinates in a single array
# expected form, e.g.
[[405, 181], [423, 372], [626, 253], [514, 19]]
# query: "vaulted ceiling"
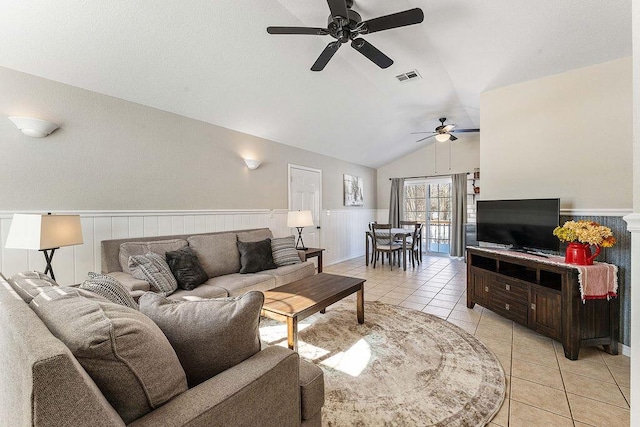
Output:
[[212, 60]]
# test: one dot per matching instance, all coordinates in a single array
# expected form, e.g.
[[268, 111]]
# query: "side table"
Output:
[[314, 252]]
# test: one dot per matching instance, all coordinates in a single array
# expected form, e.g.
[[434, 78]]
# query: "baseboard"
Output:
[[624, 349]]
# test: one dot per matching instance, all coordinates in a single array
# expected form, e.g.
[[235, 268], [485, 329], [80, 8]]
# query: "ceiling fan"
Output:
[[444, 132], [346, 24]]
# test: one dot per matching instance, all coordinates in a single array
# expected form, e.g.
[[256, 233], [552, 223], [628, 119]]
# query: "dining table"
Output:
[[398, 233]]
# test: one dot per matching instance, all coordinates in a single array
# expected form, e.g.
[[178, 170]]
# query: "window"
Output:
[[429, 201]]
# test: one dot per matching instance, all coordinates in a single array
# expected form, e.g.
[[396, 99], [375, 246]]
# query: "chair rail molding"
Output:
[[340, 234]]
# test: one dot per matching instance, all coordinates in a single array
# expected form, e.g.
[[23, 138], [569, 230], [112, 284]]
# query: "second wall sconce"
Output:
[[252, 163], [35, 128]]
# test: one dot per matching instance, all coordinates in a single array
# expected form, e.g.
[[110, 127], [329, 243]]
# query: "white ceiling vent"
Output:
[[408, 76]]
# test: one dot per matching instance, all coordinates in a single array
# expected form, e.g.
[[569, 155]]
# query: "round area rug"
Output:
[[401, 367]]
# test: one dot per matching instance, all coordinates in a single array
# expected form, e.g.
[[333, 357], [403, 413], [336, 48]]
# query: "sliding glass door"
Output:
[[429, 201]]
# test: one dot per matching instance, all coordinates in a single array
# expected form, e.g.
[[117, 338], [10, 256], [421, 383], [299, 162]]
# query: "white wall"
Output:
[[111, 154], [568, 135], [131, 171], [438, 158]]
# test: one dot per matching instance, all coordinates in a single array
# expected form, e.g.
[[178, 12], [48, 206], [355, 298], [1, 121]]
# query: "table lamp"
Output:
[[44, 233], [299, 220]]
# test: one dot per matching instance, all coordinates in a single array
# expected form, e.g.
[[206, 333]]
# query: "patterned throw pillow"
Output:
[[155, 270], [108, 287], [186, 268], [284, 251]]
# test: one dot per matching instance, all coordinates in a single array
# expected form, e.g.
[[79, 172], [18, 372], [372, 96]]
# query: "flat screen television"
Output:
[[521, 224]]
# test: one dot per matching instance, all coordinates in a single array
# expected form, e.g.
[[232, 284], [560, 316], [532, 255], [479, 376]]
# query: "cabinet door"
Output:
[[546, 314], [478, 284]]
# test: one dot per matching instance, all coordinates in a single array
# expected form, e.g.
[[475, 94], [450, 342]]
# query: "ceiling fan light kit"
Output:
[[345, 24], [444, 132]]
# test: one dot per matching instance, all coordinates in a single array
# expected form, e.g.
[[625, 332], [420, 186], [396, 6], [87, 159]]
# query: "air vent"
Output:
[[408, 76]]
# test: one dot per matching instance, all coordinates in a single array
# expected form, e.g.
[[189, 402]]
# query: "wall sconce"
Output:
[[35, 128], [252, 163]]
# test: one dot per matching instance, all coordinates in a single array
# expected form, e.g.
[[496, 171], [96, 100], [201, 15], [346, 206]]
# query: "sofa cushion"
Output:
[[291, 273], [256, 256], [109, 288], [123, 351], [311, 389], [129, 282], [160, 247], [209, 335], [238, 284], [154, 269], [186, 268], [217, 253], [28, 284], [284, 251], [203, 291], [255, 235]]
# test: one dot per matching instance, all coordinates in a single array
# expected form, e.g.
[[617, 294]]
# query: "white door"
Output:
[[305, 193]]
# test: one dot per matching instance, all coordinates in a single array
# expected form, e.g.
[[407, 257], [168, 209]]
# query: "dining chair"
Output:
[[412, 246], [384, 243]]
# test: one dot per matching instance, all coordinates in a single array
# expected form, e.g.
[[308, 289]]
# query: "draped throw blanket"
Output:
[[396, 202], [458, 213]]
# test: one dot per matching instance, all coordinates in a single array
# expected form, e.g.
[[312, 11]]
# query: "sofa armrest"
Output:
[[129, 282], [261, 391]]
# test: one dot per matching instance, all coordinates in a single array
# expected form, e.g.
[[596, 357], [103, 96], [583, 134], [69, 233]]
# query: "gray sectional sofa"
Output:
[[42, 383], [218, 254]]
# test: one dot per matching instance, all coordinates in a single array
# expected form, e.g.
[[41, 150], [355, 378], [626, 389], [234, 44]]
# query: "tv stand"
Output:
[[542, 297]]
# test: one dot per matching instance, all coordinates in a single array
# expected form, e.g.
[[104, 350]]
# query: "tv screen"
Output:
[[525, 223]]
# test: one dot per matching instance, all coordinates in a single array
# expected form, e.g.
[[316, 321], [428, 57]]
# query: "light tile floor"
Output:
[[543, 387]]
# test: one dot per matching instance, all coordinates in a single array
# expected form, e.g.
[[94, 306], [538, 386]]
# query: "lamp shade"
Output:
[[40, 232], [299, 219]]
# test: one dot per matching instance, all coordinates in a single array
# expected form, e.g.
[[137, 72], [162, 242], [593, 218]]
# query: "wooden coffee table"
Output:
[[298, 300]]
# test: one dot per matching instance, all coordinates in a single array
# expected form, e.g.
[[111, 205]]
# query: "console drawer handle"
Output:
[[507, 287], [506, 306], [533, 306], [486, 289]]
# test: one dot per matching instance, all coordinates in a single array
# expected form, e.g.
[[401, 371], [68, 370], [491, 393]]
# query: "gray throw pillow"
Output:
[[208, 335], [255, 256], [284, 251], [28, 284], [186, 268], [124, 352], [108, 287], [154, 269]]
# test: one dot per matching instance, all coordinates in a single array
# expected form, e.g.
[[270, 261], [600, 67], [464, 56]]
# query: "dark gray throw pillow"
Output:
[[186, 268], [256, 256]]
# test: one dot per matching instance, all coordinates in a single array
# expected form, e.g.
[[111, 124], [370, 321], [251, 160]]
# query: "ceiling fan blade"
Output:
[[430, 136], [448, 128], [298, 30], [466, 130], [325, 56], [338, 8], [415, 133], [370, 51], [452, 138], [395, 20]]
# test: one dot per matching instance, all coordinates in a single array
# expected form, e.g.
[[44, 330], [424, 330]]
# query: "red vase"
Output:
[[580, 254]]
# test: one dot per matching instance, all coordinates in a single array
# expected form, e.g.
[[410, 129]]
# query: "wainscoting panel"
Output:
[[341, 233]]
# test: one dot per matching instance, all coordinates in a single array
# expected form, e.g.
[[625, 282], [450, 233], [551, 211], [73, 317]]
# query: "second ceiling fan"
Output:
[[444, 132], [346, 24]]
